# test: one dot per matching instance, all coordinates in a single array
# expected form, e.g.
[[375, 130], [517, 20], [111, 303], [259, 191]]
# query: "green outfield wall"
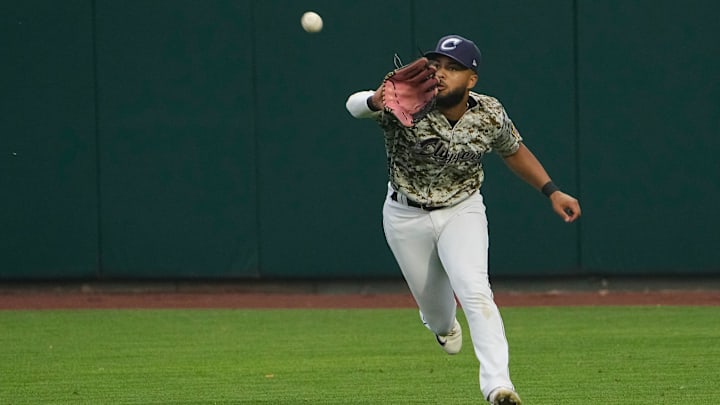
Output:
[[166, 139]]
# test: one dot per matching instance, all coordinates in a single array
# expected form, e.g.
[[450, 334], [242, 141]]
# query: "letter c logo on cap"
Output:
[[450, 44]]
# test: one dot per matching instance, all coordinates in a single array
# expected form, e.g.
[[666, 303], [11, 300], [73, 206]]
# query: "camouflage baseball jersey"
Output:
[[439, 165]]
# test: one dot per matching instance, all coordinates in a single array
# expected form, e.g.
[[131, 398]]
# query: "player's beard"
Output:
[[451, 98]]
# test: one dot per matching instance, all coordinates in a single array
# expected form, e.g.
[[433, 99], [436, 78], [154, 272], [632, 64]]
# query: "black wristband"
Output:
[[549, 188], [370, 104]]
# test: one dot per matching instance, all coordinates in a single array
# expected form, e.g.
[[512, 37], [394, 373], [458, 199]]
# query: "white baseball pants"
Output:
[[442, 254]]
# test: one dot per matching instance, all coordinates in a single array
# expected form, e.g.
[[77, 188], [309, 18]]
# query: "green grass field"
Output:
[[559, 355]]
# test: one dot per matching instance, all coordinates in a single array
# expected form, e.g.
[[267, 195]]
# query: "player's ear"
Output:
[[472, 81]]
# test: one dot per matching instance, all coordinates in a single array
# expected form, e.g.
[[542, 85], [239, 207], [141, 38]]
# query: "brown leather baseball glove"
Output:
[[409, 92]]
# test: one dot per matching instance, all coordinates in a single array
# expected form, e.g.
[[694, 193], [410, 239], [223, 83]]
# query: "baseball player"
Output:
[[434, 216]]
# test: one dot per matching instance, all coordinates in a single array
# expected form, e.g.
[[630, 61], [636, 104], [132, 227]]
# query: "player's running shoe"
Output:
[[452, 342], [504, 396]]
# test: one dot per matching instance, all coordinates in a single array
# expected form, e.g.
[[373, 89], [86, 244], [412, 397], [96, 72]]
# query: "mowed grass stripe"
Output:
[[560, 355], [617, 355]]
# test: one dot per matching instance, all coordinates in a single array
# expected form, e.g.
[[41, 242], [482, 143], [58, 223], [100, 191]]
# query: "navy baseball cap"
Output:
[[461, 49]]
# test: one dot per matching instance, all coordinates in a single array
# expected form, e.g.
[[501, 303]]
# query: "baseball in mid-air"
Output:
[[311, 22]]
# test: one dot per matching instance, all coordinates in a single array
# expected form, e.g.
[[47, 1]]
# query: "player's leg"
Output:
[[411, 237], [463, 250]]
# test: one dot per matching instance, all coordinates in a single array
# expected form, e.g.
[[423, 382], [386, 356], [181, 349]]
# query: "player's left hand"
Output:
[[409, 92], [566, 206]]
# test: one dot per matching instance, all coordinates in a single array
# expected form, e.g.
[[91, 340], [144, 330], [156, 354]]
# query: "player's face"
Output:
[[454, 81]]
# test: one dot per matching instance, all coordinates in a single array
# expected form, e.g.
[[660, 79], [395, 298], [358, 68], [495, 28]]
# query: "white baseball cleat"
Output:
[[452, 342], [504, 396]]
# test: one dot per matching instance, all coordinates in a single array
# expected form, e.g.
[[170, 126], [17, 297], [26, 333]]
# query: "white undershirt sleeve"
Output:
[[357, 104]]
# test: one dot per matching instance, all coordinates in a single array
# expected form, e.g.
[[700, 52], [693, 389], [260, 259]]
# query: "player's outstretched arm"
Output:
[[364, 104], [526, 166]]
